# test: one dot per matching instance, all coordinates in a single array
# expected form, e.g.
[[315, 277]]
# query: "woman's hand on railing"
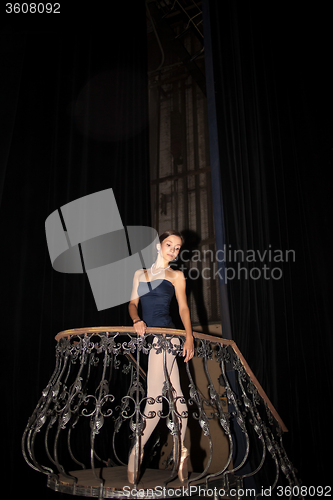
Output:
[[140, 327], [188, 349]]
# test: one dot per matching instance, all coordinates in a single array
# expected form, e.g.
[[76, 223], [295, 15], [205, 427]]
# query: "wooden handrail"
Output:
[[131, 329]]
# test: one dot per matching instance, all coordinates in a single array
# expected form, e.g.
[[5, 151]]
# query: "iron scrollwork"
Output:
[[97, 394]]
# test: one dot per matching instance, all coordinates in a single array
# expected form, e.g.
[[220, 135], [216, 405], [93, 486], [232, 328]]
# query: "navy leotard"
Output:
[[155, 300]]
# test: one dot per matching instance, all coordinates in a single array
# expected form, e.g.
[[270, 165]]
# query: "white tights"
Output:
[[155, 381]]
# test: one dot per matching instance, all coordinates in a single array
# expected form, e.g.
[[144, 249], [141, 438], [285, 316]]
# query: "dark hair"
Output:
[[170, 232]]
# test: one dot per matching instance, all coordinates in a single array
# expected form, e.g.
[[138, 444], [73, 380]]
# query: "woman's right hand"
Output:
[[140, 328]]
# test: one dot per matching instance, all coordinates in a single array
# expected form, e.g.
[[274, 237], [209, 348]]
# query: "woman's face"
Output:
[[170, 247]]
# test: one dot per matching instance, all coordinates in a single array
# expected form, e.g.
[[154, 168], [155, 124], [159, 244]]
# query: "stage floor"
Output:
[[116, 485]]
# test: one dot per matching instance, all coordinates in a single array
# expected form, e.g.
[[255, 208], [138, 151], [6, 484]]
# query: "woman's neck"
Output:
[[161, 263]]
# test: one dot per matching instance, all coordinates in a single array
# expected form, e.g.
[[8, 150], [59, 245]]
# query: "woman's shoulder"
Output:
[[177, 275], [139, 273]]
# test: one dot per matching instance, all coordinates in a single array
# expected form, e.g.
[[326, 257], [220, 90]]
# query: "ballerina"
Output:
[[155, 302]]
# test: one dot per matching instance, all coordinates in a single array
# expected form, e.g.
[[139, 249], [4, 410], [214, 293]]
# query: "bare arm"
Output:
[[138, 323], [184, 312]]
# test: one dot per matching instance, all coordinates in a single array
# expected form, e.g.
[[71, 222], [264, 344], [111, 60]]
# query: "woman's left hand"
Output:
[[188, 349]]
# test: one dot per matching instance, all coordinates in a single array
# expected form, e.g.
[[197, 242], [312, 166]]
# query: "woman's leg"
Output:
[[181, 407], [155, 382]]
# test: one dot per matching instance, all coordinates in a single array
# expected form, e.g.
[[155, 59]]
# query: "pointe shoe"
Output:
[[182, 470], [130, 473]]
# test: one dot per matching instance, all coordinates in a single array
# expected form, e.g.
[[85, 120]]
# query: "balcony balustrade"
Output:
[[92, 412]]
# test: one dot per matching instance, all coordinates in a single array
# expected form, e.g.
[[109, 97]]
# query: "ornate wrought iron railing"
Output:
[[92, 412]]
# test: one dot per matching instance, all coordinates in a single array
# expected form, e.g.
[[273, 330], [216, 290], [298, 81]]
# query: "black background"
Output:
[[274, 99]]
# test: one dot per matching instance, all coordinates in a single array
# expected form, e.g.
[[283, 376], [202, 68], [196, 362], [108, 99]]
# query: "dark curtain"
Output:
[[73, 122], [273, 89]]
